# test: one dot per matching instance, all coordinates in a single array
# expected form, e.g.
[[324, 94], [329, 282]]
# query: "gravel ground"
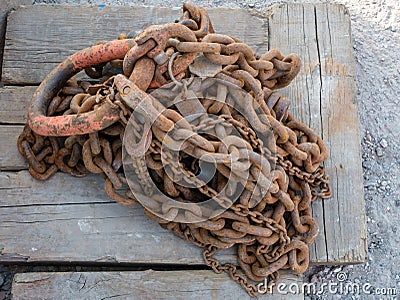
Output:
[[376, 39]]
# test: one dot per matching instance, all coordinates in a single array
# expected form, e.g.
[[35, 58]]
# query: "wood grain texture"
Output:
[[48, 213], [37, 39], [5, 7], [90, 232], [14, 101], [323, 96], [20, 189], [200, 284], [10, 159]]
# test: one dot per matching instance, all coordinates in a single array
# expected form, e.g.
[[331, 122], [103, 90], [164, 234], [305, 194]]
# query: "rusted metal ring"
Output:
[[84, 123]]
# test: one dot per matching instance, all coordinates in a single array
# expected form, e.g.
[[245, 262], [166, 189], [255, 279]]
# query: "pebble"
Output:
[[383, 143], [367, 164], [251, 5], [337, 270], [379, 152], [369, 183], [397, 202], [6, 284]]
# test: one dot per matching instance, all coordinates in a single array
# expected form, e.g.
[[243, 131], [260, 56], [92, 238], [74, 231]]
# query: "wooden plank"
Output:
[[292, 29], [20, 189], [37, 39], [14, 101], [10, 159], [341, 130], [323, 96], [5, 7], [199, 284], [90, 232]]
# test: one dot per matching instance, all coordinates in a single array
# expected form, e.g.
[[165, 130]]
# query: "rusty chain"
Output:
[[79, 128]]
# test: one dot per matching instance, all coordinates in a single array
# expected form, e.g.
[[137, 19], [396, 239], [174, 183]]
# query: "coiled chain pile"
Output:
[[265, 192]]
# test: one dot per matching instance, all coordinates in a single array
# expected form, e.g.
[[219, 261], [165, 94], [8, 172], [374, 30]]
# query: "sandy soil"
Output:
[[376, 39]]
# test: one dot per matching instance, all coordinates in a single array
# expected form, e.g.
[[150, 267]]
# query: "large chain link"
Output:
[[272, 234]]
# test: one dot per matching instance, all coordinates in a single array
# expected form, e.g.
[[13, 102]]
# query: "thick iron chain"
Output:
[[272, 234]]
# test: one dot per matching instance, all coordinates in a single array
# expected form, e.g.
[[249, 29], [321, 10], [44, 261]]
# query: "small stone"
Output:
[[251, 5], [388, 169], [397, 202], [367, 164], [369, 183], [337, 270], [6, 284], [383, 143], [379, 152]]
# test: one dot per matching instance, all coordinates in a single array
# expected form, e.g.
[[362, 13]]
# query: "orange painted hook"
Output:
[[84, 123]]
